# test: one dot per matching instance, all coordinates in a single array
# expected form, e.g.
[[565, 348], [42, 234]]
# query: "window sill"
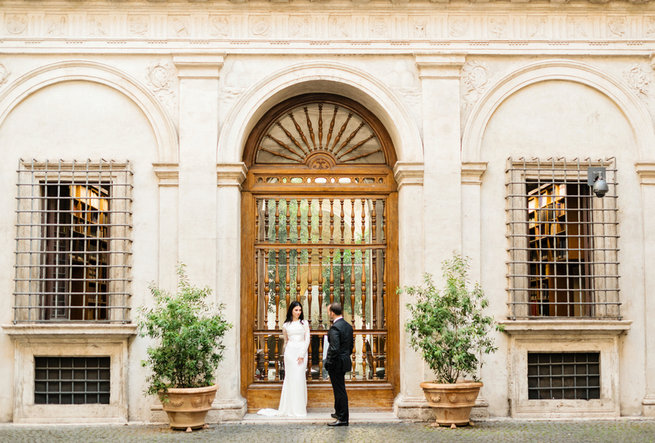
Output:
[[561, 327], [62, 331]]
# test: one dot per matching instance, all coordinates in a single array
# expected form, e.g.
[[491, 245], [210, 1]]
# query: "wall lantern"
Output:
[[596, 178]]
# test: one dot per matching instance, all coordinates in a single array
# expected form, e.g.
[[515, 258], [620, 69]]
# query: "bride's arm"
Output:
[[285, 336]]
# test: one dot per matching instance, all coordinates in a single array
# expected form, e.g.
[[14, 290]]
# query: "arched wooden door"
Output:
[[319, 209]]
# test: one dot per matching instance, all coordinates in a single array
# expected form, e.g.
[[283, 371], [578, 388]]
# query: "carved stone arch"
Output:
[[635, 111], [84, 70], [320, 77]]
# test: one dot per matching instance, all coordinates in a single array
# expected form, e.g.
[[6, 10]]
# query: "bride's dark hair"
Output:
[[290, 312]]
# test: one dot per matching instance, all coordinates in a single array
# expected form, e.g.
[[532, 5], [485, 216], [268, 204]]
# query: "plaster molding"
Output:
[[95, 72], [320, 76], [408, 174], [646, 173], [167, 173], [230, 174], [472, 172], [437, 66], [164, 21], [198, 66], [635, 110]]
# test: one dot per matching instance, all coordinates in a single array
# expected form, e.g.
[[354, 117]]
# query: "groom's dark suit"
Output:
[[338, 362]]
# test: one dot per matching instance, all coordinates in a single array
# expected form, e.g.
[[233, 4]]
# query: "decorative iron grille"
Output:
[[71, 380], [568, 376], [562, 240], [73, 242]]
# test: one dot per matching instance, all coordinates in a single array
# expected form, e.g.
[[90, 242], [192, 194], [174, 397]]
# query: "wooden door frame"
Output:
[[377, 395]]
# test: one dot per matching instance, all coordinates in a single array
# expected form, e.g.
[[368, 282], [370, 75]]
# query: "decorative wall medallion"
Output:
[[340, 26], [161, 78], [219, 26], [55, 25], [537, 27], [300, 26], [178, 26], [474, 79], [16, 23], [379, 27], [4, 74], [637, 79], [577, 27], [617, 26], [138, 24], [98, 25], [418, 27], [260, 26], [457, 26], [498, 26]]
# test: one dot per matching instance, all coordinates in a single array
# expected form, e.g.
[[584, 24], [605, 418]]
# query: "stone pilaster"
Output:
[[168, 176], [198, 130], [646, 173], [230, 404]]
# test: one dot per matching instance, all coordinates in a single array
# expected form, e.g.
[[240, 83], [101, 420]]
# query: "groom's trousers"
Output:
[[340, 395]]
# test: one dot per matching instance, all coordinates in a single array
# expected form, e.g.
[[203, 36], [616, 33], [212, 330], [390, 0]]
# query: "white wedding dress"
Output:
[[293, 401]]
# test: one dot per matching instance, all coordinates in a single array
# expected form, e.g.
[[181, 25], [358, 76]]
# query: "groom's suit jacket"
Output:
[[340, 338]]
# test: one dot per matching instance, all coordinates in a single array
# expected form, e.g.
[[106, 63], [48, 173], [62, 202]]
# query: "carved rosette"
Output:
[[4, 74], [162, 78], [637, 79], [475, 79]]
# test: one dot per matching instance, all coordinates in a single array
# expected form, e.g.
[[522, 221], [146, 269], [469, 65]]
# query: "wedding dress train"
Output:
[[293, 400]]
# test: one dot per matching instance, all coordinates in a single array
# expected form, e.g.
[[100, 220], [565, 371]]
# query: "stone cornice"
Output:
[[439, 66], [198, 66], [646, 172], [408, 173], [472, 172], [230, 174], [167, 173]]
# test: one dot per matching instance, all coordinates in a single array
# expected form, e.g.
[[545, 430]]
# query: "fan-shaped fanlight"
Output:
[[320, 135]]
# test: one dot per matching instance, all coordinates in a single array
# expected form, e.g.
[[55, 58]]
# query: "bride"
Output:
[[293, 401]]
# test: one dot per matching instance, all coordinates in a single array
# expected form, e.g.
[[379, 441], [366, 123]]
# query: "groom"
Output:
[[338, 362]]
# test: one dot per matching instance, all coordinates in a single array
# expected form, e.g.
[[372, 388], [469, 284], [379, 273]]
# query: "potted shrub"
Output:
[[450, 330], [187, 348]]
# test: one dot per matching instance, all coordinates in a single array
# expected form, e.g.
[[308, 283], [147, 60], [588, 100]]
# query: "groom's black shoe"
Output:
[[334, 416], [338, 423]]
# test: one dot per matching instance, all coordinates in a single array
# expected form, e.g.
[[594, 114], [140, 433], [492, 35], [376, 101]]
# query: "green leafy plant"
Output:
[[448, 326], [187, 332]]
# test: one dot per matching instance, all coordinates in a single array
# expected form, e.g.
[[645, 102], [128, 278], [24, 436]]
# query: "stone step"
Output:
[[323, 417]]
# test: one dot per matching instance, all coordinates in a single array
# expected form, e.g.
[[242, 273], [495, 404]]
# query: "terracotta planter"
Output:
[[452, 402], [188, 407]]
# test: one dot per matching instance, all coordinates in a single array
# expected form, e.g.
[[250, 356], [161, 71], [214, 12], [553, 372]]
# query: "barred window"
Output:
[[71, 380], [563, 375], [73, 241], [562, 240]]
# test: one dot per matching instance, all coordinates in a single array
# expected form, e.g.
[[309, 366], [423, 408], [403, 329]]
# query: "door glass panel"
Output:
[[320, 250]]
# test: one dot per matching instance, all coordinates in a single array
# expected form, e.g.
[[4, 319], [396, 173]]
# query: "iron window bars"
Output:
[[562, 240], [567, 375], [72, 380], [73, 243]]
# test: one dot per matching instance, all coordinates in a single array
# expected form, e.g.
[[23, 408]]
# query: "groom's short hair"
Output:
[[336, 308]]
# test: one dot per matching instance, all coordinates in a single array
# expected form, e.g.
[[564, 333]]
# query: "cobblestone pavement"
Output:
[[619, 431]]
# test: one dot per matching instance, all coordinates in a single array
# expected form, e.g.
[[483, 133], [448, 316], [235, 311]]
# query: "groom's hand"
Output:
[[300, 360]]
